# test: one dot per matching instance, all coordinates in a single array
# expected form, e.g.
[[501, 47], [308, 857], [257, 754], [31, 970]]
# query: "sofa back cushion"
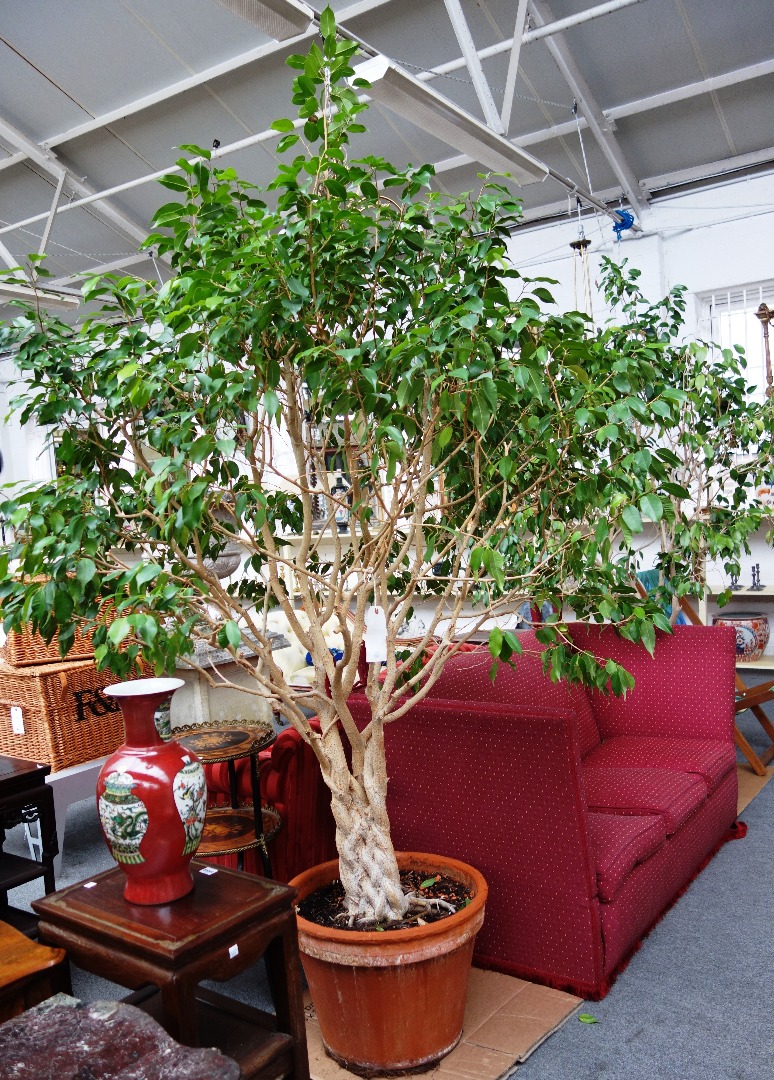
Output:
[[687, 685], [466, 677]]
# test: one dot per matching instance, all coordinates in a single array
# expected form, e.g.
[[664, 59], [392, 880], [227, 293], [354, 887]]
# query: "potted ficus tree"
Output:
[[346, 375]]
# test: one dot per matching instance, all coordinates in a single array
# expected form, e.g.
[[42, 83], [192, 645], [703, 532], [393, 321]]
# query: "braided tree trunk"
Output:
[[367, 865]]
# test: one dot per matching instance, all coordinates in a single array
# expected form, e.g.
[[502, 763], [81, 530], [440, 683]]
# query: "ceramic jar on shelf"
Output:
[[752, 632]]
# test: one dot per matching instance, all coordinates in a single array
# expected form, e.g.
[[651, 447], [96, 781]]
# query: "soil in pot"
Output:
[[444, 895]]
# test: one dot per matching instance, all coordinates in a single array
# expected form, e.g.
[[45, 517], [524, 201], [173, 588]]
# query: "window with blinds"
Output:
[[729, 318]]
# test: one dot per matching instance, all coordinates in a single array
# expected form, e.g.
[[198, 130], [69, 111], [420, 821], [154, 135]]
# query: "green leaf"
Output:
[[495, 641], [271, 403], [587, 1018], [233, 633], [119, 630], [648, 637], [327, 22], [428, 882], [651, 507], [286, 142], [127, 371], [86, 571], [632, 518], [174, 183], [444, 436]]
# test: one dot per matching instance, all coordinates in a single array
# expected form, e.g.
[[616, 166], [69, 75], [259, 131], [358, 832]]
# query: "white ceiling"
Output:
[[102, 92]]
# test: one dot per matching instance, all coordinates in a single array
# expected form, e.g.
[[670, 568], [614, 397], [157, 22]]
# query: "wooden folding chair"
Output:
[[747, 697]]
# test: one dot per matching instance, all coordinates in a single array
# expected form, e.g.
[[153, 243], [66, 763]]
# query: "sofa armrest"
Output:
[[291, 782], [687, 688]]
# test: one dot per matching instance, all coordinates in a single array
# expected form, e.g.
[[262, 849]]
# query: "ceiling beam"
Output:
[[513, 66], [166, 93], [545, 31], [689, 90], [717, 170], [11, 262], [47, 160], [103, 268], [533, 138], [713, 169], [599, 125], [52, 213], [557, 26], [139, 181], [12, 159], [654, 101], [473, 64]]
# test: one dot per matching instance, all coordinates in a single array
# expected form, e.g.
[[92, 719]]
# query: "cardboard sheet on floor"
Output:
[[750, 785], [505, 1020]]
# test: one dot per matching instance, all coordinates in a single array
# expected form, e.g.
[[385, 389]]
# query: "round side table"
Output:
[[235, 829]]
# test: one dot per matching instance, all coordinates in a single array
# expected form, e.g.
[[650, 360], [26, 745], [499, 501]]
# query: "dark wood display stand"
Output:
[[25, 797], [229, 921]]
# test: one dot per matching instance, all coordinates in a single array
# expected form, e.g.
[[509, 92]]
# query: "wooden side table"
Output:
[[236, 829], [25, 797], [229, 921]]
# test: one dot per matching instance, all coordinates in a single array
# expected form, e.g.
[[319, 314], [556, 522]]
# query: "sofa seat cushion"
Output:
[[619, 843], [708, 758], [674, 795]]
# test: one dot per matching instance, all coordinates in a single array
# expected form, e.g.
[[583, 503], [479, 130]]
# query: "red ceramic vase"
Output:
[[152, 798]]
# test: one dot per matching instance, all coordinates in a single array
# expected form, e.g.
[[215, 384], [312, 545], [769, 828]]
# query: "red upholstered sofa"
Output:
[[588, 814]]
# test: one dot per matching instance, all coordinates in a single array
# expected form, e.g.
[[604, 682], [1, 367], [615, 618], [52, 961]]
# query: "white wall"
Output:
[[708, 240], [26, 455]]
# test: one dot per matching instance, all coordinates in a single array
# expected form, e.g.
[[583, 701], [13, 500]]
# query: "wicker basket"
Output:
[[65, 716], [25, 648]]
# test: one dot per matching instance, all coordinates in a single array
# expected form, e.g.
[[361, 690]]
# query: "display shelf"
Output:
[[747, 593], [766, 663]]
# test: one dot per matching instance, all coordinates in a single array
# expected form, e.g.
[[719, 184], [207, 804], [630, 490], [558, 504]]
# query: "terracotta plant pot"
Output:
[[391, 1001]]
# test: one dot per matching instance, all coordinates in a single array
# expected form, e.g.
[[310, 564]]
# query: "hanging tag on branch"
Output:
[[375, 639]]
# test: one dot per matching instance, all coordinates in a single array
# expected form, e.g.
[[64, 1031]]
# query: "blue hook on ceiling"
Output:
[[626, 222]]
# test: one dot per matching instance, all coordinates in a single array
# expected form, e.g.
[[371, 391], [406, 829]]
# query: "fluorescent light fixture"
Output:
[[44, 297], [400, 92], [280, 19]]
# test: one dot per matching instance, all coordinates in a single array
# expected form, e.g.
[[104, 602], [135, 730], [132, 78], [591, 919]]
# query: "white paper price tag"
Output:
[[17, 720], [375, 639], [233, 951]]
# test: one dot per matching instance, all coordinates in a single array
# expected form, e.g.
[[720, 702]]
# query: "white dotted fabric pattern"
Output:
[[619, 844], [673, 795], [687, 687], [466, 677], [706, 757], [497, 786]]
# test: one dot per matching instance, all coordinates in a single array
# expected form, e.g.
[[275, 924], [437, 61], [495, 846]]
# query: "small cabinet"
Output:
[[25, 797]]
